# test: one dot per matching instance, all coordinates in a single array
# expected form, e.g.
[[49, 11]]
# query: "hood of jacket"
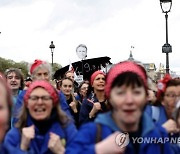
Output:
[[106, 119]]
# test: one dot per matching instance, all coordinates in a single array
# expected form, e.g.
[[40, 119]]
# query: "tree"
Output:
[[23, 65]]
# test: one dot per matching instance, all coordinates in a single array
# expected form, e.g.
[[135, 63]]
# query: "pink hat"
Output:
[[44, 84], [122, 67], [36, 63], [95, 74]]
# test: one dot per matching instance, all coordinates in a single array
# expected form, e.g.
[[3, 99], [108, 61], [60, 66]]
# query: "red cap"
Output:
[[122, 67], [36, 63], [44, 84], [95, 74], [162, 84]]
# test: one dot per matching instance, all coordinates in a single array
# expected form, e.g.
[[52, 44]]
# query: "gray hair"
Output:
[[45, 65]]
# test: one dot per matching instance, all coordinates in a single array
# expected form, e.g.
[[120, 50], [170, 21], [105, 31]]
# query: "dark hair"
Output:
[[128, 79], [81, 84], [89, 87], [176, 114], [18, 72], [65, 78]]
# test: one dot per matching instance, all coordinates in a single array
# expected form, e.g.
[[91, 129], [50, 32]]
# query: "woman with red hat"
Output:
[[96, 102], [39, 70], [42, 126], [162, 111], [119, 130], [167, 97]]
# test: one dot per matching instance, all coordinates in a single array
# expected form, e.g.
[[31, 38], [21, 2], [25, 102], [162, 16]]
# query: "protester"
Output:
[[42, 126], [96, 102], [167, 97], [70, 74], [126, 90], [40, 70], [15, 81], [83, 90], [5, 110], [66, 87], [163, 109]]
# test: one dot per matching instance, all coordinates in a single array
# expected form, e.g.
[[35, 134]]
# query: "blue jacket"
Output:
[[39, 145], [162, 118], [87, 106], [3, 149], [85, 138], [18, 105]]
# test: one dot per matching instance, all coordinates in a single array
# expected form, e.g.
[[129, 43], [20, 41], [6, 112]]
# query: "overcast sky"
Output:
[[106, 27]]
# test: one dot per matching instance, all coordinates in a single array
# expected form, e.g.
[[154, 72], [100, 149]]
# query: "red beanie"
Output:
[[95, 74], [162, 84], [36, 63], [122, 67], [44, 84]]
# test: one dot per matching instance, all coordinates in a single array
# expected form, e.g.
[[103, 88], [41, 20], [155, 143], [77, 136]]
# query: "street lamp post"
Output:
[[52, 46], [166, 48]]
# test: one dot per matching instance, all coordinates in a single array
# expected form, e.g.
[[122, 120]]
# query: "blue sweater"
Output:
[[39, 145], [85, 138]]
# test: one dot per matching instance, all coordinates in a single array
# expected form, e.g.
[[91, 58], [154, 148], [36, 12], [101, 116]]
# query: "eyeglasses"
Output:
[[172, 96], [43, 98]]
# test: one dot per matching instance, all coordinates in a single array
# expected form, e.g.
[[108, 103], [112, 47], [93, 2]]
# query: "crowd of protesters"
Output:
[[39, 116]]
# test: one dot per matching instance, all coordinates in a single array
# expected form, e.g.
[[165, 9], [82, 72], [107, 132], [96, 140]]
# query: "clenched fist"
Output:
[[55, 144], [28, 134]]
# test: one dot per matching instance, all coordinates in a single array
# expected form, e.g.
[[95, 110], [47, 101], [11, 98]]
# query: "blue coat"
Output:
[[87, 106], [160, 121], [85, 138], [17, 108], [3, 149], [162, 114], [39, 145]]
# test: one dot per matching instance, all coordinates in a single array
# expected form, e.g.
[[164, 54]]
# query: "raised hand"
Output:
[[55, 144], [95, 109], [73, 106], [28, 133], [109, 145], [171, 126]]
